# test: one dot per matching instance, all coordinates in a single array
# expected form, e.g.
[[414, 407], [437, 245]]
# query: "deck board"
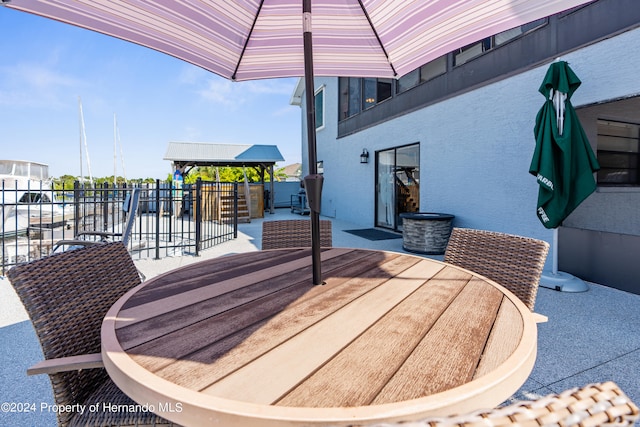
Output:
[[140, 324], [357, 374], [265, 380], [503, 340], [234, 351], [210, 288], [192, 276], [443, 359]]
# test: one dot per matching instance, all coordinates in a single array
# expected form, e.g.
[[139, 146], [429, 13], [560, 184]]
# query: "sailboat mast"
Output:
[[116, 136], [115, 154], [124, 171], [80, 120], [83, 136]]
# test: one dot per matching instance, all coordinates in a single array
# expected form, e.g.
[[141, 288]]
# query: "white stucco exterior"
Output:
[[475, 148]]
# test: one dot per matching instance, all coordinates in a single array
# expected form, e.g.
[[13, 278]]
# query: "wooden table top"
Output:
[[248, 340]]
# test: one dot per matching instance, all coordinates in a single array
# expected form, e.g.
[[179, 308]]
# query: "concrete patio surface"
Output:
[[590, 337]]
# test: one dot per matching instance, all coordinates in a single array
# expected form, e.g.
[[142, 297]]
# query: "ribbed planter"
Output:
[[426, 232]]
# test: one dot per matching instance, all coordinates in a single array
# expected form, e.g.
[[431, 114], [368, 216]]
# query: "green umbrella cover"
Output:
[[563, 161]]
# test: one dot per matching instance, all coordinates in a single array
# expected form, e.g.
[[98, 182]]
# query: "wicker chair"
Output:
[[514, 262], [294, 233], [67, 296], [593, 405]]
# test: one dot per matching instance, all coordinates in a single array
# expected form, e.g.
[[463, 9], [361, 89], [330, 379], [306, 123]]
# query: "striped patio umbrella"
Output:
[[259, 39]]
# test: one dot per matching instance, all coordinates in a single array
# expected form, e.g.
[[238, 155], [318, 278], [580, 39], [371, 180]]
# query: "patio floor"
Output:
[[590, 336]]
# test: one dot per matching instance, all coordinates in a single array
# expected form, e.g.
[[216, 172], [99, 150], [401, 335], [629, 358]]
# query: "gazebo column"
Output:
[[271, 191]]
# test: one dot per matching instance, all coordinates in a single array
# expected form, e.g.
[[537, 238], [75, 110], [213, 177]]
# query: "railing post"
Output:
[[169, 202], [157, 219], [76, 206], [140, 223], [235, 210], [198, 216], [104, 196]]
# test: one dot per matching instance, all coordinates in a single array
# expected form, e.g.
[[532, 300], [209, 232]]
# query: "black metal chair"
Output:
[[91, 238]]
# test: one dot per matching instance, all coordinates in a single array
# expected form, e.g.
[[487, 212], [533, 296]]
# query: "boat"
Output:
[[13, 225], [27, 198]]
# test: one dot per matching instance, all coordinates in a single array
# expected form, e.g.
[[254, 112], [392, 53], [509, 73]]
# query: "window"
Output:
[[618, 154], [468, 52], [319, 106], [409, 80], [369, 97], [375, 91], [349, 88], [359, 94], [425, 73], [433, 69], [33, 197]]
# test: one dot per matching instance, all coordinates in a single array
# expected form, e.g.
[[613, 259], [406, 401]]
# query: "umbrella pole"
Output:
[[554, 266], [313, 181]]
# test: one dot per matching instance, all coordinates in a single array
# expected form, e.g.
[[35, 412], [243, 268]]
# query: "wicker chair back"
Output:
[[603, 405], [294, 233], [514, 262]]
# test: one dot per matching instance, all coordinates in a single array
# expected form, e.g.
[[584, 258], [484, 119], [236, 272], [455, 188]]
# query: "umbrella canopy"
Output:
[[563, 160], [257, 39]]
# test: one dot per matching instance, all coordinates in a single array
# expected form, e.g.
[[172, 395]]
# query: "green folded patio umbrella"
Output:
[[563, 164], [563, 161]]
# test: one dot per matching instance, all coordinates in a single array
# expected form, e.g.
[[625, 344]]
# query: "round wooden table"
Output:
[[248, 340]]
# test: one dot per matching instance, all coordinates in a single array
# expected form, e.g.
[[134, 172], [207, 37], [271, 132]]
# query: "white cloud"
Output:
[[34, 85], [233, 95], [269, 87], [221, 91]]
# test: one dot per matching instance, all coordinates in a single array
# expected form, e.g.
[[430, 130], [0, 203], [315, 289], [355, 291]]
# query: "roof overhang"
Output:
[[183, 154]]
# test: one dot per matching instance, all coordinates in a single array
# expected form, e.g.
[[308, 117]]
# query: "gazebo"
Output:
[[186, 155]]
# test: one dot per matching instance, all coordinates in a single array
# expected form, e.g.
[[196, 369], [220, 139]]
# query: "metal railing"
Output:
[[169, 221]]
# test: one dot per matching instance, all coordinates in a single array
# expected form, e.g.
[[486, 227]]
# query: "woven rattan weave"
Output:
[[602, 405], [294, 233], [67, 296], [514, 262]]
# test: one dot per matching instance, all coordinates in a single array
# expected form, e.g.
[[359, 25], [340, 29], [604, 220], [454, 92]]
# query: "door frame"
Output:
[[396, 224]]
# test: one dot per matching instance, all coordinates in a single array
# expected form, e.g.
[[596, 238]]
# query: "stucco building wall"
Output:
[[475, 149]]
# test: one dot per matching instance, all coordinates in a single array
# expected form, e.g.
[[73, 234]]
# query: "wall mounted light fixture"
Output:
[[364, 157]]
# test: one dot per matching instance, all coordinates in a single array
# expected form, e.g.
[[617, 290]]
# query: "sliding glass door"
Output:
[[397, 184]]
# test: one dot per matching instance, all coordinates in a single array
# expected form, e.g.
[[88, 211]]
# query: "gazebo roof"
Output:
[[183, 154]]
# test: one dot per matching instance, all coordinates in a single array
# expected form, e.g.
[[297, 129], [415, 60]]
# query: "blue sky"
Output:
[[45, 66]]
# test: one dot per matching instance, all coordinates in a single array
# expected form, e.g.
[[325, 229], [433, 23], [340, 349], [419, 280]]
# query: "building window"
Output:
[[349, 89], [468, 52], [319, 106], [425, 73], [618, 154], [369, 96], [359, 94], [375, 91]]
